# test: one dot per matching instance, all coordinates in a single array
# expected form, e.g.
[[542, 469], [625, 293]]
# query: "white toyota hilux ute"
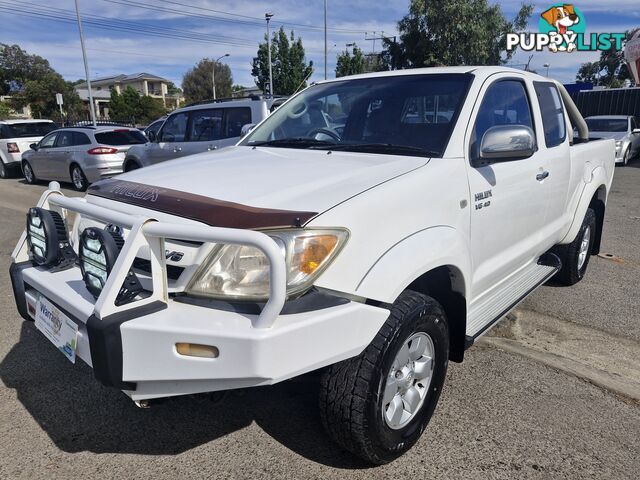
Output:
[[371, 228]]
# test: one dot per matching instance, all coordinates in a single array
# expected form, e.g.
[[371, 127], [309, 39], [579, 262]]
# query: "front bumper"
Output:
[[134, 348]]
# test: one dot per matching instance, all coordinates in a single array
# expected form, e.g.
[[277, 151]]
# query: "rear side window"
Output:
[[121, 137], [65, 139], [80, 138], [236, 118], [30, 129], [552, 112]]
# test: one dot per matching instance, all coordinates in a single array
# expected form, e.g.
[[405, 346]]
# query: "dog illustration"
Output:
[[562, 18]]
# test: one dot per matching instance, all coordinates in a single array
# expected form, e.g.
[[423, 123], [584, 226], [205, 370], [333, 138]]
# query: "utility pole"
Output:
[[213, 73], [92, 107], [325, 39], [267, 17]]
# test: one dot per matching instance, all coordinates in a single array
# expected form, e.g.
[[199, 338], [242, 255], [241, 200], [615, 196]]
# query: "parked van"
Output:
[[15, 138]]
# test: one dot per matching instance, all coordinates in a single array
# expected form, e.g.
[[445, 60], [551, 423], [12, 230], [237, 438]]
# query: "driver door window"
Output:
[[175, 128]]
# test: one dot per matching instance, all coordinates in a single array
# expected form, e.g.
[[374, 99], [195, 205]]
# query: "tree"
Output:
[[5, 110], [290, 70], [30, 80], [17, 67], [589, 72], [610, 71], [130, 105], [350, 63], [453, 32], [198, 86], [173, 90]]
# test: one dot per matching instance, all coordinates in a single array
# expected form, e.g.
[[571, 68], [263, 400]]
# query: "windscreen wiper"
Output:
[[299, 142], [382, 148]]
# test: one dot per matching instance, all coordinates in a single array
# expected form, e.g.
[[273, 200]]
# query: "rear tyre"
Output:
[[78, 179], [27, 171], [4, 170], [575, 256], [377, 404], [131, 166]]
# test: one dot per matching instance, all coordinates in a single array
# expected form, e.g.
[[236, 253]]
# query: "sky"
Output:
[[188, 30]]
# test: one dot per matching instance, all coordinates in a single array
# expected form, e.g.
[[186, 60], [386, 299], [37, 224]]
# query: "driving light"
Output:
[[242, 272], [197, 350], [48, 240], [98, 251]]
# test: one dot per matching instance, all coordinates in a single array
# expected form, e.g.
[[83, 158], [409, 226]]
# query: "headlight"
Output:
[[242, 272], [618, 144], [48, 240], [98, 251]]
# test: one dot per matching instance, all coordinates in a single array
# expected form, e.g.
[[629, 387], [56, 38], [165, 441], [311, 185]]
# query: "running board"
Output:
[[490, 310]]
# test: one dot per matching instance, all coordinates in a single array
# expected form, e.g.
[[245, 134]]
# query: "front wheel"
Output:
[[627, 154], [377, 404], [27, 171]]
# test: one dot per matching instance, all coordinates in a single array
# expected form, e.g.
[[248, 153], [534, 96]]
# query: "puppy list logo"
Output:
[[562, 29]]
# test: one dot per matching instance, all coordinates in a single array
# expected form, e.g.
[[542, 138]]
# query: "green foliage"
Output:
[[130, 105], [17, 67], [173, 90], [453, 32], [350, 63], [290, 71], [610, 71], [30, 80], [5, 110], [197, 83]]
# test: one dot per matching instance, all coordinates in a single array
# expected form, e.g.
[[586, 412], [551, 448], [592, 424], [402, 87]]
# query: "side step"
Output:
[[489, 311]]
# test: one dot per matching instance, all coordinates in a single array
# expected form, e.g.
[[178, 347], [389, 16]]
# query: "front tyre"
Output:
[[575, 256], [377, 405], [27, 171]]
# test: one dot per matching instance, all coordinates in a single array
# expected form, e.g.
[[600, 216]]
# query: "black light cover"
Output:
[[48, 240], [98, 252]]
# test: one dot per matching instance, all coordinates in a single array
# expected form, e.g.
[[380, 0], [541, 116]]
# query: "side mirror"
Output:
[[33, 146], [246, 128], [151, 135], [503, 143]]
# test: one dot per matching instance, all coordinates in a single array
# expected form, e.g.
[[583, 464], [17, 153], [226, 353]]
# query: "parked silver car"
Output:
[[624, 129], [198, 128], [82, 155]]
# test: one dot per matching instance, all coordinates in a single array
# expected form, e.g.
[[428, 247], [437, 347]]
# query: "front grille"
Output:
[[173, 272]]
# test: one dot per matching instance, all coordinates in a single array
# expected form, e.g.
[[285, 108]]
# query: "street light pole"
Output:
[[92, 107], [547, 66], [213, 73], [325, 39], [267, 17]]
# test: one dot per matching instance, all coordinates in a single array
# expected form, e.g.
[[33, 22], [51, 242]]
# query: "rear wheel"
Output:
[[575, 256], [78, 179], [4, 171], [29, 176], [377, 404], [131, 166]]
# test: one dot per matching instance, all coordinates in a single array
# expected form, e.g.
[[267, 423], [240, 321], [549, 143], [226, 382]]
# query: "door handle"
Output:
[[542, 176], [212, 147], [177, 149]]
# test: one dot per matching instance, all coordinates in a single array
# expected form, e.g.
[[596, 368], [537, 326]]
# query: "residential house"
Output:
[[143, 83]]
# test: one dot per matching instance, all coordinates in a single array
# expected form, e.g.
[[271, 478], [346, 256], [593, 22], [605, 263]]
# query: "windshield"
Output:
[[29, 129], [607, 124], [402, 115]]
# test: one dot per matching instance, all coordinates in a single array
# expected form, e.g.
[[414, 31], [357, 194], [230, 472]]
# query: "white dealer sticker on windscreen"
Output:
[[57, 327]]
